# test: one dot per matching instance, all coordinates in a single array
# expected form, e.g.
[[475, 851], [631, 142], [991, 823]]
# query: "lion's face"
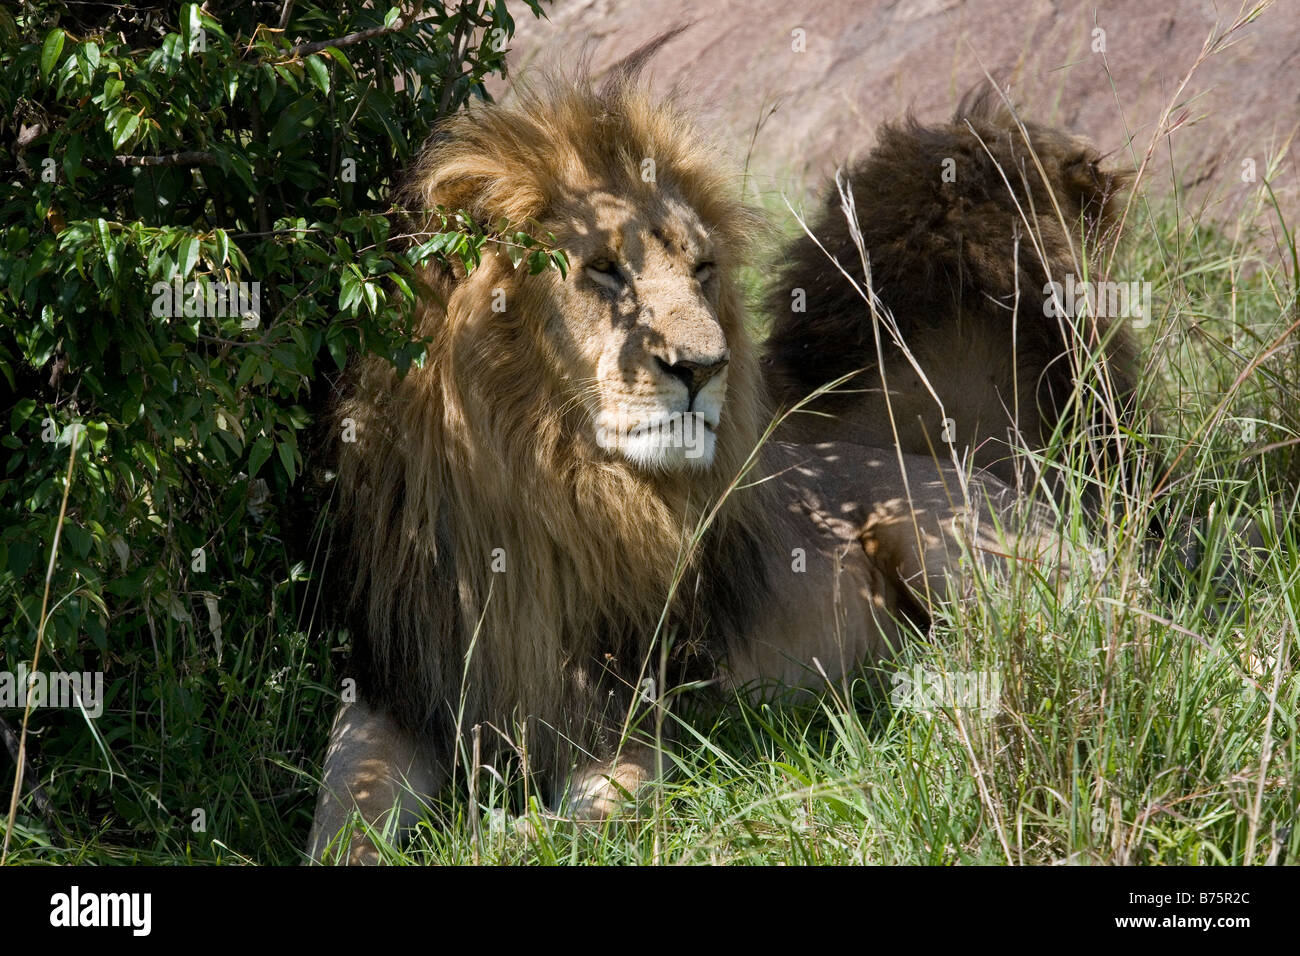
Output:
[[636, 333]]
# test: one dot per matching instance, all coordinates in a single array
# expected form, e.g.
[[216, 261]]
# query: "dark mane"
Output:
[[949, 255]]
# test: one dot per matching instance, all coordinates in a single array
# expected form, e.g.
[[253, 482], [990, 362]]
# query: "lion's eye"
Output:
[[605, 272], [704, 272]]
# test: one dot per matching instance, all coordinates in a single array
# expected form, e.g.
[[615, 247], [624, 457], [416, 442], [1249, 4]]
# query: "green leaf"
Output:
[[21, 553], [286, 457], [319, 73], [107, 245], [223, 247], [113, 88], [78, 538], [84, 61], [342, 61], [22, 411], [258, 456], [247, 369], [349, 288], [168, 57], [538, 260], [337, 345], [189, 254], [50, 51], [403, 287], [193, 27], [126, 126]]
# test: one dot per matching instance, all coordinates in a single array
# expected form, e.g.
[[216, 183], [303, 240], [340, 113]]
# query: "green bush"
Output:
[[195, 238]]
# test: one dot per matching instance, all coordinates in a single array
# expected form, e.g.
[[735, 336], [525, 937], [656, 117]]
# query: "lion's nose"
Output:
[[694, 374]]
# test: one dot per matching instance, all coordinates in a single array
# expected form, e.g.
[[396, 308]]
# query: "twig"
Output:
[[21, 759], [459, 45], [397, 26], [186, 158]]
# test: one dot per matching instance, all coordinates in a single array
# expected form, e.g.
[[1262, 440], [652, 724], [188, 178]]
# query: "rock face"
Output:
[[817, 78]]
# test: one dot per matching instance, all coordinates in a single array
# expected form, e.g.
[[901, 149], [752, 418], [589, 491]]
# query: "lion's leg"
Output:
[[377, 768], [600, 787], [925, 531], [871, 543]]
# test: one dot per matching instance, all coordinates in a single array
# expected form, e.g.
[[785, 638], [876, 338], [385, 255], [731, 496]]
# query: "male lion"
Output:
[[559, 515], [973, 231]]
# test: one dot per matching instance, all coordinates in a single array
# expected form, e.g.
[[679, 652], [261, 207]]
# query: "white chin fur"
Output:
[[666, 443], [651, 453]]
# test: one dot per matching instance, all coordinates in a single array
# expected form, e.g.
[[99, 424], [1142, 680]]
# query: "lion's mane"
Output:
[[479, 449], [971, 251]]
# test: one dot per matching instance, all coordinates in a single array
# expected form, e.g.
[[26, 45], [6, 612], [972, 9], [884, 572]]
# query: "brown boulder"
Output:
[[864, 62]]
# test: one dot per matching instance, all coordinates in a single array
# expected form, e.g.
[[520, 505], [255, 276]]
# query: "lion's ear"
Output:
[[1092, 187], [469, 172], [428, 191], [461, 193]]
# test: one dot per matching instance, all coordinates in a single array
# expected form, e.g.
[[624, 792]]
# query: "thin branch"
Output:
[[187, 158], [21, 760], [397, 26], [459, 42]]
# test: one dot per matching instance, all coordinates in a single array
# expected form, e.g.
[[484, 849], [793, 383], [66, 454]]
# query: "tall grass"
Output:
[[1146, 714]]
